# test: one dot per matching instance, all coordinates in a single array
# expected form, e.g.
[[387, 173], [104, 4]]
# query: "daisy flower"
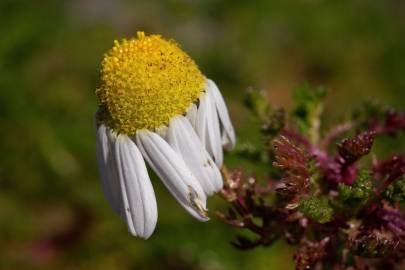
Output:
[[156, 105]]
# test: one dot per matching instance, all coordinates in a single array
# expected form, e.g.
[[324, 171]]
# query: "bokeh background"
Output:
[[52, 211]]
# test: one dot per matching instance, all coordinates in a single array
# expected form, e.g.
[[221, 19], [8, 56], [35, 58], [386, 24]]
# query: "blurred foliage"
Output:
[[332, 206], [52, 212], [308, 109]]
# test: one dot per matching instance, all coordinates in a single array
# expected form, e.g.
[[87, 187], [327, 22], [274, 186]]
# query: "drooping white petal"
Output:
[[207, 128], [192, 115], [183, 139], [137, 192], [107, 168], [162, 131], [173, 172], [228, 132]]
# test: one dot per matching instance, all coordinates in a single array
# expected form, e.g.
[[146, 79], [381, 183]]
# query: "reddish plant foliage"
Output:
[[340, 213]]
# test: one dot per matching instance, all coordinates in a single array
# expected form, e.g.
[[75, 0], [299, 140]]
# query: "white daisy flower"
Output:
[[156, 105]]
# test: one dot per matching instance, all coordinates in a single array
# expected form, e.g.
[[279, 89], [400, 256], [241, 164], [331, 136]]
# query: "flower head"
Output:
[[155, 105], [145, 82]]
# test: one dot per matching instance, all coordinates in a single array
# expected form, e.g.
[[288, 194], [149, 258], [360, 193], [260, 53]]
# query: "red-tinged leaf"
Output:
[[289, 157], [310, 252]]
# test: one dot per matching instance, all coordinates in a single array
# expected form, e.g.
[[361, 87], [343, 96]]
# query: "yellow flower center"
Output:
[[145, 82]]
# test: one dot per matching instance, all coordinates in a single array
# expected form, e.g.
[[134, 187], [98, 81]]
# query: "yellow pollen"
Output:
[[145, 81]]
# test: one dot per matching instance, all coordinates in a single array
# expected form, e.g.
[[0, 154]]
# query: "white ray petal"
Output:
[[137, 191], [173, 172], [109, 181], [207, 128], [162, 131], [183, 139], [228, 132], [192, 115]]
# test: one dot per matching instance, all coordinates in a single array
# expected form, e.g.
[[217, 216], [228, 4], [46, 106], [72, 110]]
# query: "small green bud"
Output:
[[317, 209], [395, 193], [353, 198]]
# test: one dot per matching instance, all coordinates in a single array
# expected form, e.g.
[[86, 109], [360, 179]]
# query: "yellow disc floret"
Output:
[[145, 82]]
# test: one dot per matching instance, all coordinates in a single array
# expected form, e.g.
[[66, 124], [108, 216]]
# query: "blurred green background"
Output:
[[52, 211]]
